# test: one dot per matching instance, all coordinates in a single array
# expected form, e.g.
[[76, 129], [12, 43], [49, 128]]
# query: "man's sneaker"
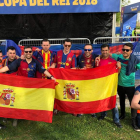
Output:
[[118, 125], [101, 118], [15, 122], [122, 117], [79, 115], [136, 128], [55, 112], [93, 115], [5, 120], [2, 126]]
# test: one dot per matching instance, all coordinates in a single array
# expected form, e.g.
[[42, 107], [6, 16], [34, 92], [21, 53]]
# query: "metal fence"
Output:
[[108, 40], [55, 41], [3, 43]]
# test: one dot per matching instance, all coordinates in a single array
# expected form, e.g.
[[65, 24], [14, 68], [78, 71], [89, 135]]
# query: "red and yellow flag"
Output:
[[86, 91], [26, 98]]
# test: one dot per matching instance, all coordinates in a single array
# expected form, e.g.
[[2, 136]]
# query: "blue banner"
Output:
[[129, 23], [136, 52], [133, 8], [57, 6]]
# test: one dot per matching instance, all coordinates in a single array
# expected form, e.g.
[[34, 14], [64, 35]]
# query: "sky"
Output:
[[134, 1]]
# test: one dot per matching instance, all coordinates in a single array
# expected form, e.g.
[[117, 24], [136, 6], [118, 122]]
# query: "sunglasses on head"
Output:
[[28, 51], [87, 49], [127, 50], [68, 46]]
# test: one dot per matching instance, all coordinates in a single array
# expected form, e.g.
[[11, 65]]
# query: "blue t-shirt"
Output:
[[128, 32]]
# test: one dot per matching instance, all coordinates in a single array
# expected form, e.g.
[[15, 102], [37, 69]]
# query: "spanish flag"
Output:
[[86, 91], [26, 98]]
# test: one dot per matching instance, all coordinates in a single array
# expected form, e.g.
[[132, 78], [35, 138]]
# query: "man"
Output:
[[128, 33], [126, 79], [27, 67], [44, 56], [134, 33], [87, 60], [1, 55], [136, 104], [105, 60], [11, 57], [1, 65], [65, 58]]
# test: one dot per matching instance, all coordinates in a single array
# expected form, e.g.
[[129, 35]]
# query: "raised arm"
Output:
[[49, 75]]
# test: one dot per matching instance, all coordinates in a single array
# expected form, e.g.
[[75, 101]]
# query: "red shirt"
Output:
[[107, 61]]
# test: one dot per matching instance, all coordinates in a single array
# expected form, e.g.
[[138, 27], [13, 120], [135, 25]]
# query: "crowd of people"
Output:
[[37, 64]]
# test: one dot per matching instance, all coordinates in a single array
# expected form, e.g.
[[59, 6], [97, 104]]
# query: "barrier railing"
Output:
[[107, 40], [55, 41], [3, 43]]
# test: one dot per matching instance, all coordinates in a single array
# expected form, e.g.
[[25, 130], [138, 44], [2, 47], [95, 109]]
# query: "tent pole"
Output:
[[113, 27]]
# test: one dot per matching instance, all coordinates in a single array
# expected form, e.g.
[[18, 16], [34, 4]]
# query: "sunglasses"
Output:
[[68, 46], [87, 49], [28, 51], [127, 50]]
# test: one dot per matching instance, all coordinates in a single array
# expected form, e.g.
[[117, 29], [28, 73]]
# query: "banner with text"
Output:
[[57, 6]]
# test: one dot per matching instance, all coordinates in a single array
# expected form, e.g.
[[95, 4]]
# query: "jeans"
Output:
[[138, 120], [115, 114]]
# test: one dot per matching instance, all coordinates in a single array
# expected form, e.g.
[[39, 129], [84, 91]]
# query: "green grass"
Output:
[[67, 127]]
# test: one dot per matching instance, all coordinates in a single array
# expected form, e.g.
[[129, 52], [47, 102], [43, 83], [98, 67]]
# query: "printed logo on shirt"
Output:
[[88, 60], [28, 69], [69, 59], [67, 64]]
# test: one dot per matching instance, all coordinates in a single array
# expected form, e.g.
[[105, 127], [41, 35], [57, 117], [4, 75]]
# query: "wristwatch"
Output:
[[51, 77]]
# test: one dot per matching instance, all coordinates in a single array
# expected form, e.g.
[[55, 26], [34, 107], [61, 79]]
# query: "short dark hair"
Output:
[[88, 44], [45, 40], [0, 51], [104, 45], [11, 48], [67, 40], [26, 47], [129, 45]]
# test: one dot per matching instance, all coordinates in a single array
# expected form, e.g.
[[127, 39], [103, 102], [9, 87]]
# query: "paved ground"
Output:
[[137, 82]]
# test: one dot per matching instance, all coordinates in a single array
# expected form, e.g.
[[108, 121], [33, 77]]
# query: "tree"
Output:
[[125, 2]]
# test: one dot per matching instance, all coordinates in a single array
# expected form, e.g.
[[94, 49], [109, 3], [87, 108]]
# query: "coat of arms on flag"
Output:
[[7, 97], [70, 92]]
